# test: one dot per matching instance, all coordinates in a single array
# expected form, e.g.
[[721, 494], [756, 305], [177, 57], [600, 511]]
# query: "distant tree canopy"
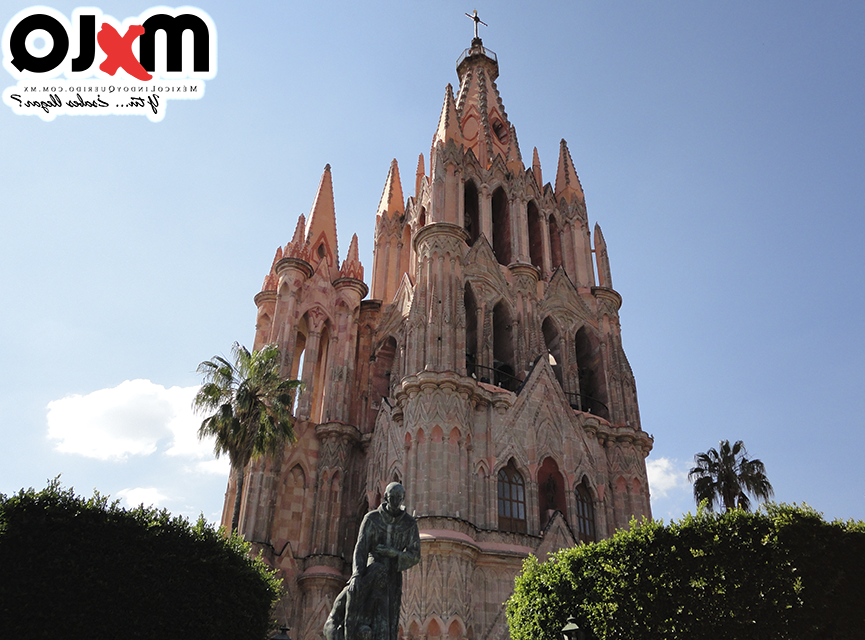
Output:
[[781, 573], [77, 568]]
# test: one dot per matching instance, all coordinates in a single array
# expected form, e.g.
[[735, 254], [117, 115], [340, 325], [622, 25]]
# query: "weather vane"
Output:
[[474, 16]]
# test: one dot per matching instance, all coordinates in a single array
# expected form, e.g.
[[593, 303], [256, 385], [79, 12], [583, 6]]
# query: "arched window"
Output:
[[551, 491], [382, 375], [320, 381], [471, 217], [536, 242], [555, 244], [554, 348], [404, 258], [504, 364], [297, 364], [471, 308], [593, 394], [512, 499], [501, 227], [585, 513]]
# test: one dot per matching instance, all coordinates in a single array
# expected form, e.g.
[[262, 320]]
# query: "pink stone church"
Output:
[[485, 371]]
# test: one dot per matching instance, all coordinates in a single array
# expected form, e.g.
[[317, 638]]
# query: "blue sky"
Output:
[[720, 147]]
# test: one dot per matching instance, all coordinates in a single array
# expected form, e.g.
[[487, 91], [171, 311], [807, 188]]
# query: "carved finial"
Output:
[[321, 226], [605, 278], [515, 156], [419, 176], [297, 247], [299, 230], [351, 267], [449, 126], [391, 198], [536, 169], [567, 182]]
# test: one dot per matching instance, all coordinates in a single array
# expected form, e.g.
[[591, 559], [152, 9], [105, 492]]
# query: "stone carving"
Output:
[[388, 543]]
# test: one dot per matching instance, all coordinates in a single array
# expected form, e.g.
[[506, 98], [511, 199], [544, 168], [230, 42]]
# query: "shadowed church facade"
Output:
[[485, 372]]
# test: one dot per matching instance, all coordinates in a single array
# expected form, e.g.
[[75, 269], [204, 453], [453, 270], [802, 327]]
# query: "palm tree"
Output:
[[248, 408], [727, 476]]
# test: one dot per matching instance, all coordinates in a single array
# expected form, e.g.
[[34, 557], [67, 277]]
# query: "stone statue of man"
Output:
[[388, 543]]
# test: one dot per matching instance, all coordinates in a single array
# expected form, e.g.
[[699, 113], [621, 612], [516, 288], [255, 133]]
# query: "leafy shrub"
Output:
[[71, 567], [780, 573]]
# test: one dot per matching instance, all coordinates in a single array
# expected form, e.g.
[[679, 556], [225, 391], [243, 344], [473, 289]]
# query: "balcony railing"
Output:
[[494, 376], [477, 50], [587, 404], [505, 380]]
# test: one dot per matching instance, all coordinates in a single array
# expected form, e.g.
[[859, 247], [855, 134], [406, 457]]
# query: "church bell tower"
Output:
[[485, 373]]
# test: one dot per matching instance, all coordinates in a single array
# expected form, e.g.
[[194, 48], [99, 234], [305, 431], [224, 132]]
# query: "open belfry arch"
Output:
[[485, 373]]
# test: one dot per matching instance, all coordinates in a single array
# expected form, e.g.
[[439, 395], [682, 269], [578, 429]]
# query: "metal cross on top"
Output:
[[474, 16]]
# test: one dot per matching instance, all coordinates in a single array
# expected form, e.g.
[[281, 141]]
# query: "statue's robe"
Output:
[[375, 591]]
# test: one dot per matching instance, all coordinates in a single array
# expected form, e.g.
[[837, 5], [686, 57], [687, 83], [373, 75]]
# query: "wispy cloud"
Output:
[[149, 497], [219, 467], [666, 476], [135, 418]]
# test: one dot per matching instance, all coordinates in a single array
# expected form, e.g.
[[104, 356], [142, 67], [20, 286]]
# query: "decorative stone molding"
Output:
[[263, 297], [610, 298], [355, 286], [289, 265]]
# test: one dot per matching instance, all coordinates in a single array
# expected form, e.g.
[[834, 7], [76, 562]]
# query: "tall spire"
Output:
[[297, 246], [567, 182], [321, 226], [482, 117], [605, 278], [419, 175], [392, 200], [536, 169], [515, 157], [449, 122], [351, 267]]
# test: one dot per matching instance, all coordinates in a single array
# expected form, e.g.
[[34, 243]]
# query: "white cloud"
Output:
[[129, 419], [669, 488], [666, 477], [184, 426], [149, 497], [220, 467]]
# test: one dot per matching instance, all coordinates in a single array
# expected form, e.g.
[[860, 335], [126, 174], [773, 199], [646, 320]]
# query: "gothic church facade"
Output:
[[485, 371]]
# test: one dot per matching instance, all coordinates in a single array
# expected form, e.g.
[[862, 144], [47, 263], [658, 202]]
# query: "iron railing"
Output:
[[505, 380], [480, 49]]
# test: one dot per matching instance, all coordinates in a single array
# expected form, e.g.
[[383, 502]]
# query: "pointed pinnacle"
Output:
[[448, 127], [536, 169], [391, 197], [419, 176], [567, 182], [321, 225], [351, 267]]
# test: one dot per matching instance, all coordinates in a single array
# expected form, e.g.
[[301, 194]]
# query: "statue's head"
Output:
[[394, 496]]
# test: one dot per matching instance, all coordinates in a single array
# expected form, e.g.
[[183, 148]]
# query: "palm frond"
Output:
[[726, 476]]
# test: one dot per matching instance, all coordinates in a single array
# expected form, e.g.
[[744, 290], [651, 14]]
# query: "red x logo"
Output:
[[119, 51]]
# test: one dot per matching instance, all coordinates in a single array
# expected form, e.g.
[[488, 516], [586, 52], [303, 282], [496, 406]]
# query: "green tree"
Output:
[[783, 573], [248, 406], [727, 476], [86, 568]]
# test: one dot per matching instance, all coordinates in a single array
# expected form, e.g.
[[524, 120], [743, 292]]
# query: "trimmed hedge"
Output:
[[71, 567], [780, 573]]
